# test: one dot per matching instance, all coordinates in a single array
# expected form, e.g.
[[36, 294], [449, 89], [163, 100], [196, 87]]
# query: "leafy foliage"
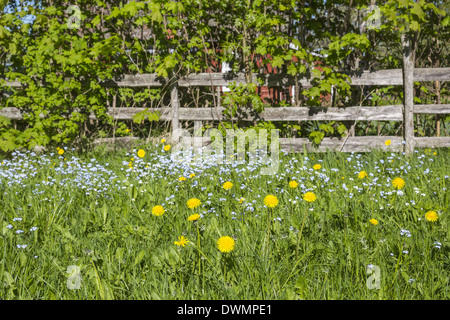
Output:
[[62, 68]]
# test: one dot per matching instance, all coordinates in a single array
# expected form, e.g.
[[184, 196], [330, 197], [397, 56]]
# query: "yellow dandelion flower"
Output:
[[309, 196], [194, 217], [317, 167], [362, 174], [271, 201], [192, 175], [163, 140], [225, 244], [182, 241], [181, 178], [431, 216], [167, 147], [398, 183], [158, 210], [227, 185], [241, 200], [293, 184], [61, 151], [387, 142], [373, 221], [141, 153], [193, 203]]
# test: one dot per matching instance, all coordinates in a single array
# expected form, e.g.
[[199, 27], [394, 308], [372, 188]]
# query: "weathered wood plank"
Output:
[[383, 113], [138, 80], [432, 142], [387, 113], [11, 113], [13, 84], [394, 76], [431, 74], [391, 77], [118, 113], [120, 141], [408, 92], [358, 78], [362, 144], [175, 106], [352, 144], [432, 108]]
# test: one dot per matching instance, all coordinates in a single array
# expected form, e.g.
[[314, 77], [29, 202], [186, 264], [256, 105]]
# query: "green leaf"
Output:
[[105, 212], [23, 259], [417, 10], [8, 278], [119, 254], [277, 61], [96, 20], [446, 21], [139, 258], [156, 262], [301, 287]]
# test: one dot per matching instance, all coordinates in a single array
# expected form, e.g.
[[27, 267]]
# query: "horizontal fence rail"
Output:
[[389, 77], [175, 113], [383, 113], [350, 144]]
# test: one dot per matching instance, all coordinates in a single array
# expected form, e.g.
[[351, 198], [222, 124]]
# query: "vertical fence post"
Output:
[[438, 101], [114, 120], [175, 104], [408, 93]]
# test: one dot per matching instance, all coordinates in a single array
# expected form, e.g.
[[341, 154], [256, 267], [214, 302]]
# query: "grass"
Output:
[[93, 213]]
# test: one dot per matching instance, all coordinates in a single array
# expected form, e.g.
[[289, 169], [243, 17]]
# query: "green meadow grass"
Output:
[[94, 212]]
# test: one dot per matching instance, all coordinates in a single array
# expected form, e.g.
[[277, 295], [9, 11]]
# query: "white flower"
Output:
[[405, 232]]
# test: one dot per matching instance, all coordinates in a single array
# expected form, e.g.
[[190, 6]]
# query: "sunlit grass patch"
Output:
[[224, 231]]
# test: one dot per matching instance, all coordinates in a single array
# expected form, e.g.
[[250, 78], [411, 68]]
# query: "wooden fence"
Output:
[[175, 113]]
